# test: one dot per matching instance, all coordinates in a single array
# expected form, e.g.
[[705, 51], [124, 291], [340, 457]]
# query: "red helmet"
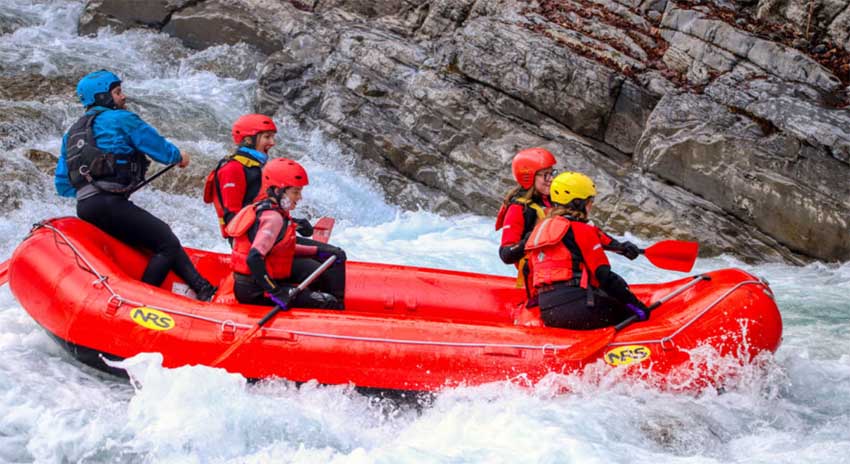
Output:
[[283, 172], [250, 125], [527, 162]]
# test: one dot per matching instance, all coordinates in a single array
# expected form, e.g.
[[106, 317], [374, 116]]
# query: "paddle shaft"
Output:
[[278, 308], [151, 178], [631, 319]]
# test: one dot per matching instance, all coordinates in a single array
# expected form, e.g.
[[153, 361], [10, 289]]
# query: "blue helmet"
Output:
[[94, 83]]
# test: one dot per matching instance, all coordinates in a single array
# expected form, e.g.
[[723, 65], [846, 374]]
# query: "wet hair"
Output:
[[248, 141], [576, 209]]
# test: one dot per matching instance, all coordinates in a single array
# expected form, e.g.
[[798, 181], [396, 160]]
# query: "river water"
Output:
[[793, 409]]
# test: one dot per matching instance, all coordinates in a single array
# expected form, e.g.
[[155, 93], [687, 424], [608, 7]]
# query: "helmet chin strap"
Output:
[[278, 194]]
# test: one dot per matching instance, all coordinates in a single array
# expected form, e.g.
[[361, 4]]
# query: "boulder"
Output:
[[718, 46], [771, 180], [123, 14]]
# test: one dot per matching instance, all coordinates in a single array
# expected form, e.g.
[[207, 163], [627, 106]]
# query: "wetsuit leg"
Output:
[[566, 307], [331, 281], [247, 291], [119, 217], [187, 271]]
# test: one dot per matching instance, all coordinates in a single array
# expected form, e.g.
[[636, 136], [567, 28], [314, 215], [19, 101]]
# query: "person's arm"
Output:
[[147, 140], [270, 226], [625, 248], [512, 248], [231, 180], [587, 239], [60, 178], [322, 251]]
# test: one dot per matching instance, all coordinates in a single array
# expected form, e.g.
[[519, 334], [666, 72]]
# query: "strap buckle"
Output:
[[227, 331]]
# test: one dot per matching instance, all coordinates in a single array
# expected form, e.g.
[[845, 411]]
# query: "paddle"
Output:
[[322, 229], [151, 178], [585, 349], [4, 272], [658, 303], [675, 255], [271, 314]]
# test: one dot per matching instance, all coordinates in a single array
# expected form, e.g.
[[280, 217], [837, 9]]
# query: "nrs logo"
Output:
[[625, 355], [151, 318]]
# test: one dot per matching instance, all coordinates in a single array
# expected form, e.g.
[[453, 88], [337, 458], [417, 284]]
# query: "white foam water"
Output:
[[790, 407]]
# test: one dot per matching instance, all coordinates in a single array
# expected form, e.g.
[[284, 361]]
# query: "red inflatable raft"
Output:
[[403, 327]]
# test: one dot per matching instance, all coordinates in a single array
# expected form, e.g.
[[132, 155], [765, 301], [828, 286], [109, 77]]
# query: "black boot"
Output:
[[185, 269], [206, 293]]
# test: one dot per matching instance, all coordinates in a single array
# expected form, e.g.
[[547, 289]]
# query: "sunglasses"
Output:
[[548, 175]]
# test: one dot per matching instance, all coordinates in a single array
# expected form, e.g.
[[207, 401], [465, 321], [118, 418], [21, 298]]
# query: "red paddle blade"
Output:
[[322, 229], [675, 255], [4, 272]]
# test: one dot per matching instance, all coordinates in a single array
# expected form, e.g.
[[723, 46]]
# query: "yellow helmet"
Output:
[[569, 186]]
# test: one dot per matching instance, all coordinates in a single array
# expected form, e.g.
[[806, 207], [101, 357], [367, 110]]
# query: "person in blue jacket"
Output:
[[104, 156]]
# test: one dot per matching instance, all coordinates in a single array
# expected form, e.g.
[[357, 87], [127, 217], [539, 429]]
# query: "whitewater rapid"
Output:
[[793, 409]]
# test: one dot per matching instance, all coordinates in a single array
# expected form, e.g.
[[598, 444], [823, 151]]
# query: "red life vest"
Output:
[[549, 259], [244, 228], [251, 168]]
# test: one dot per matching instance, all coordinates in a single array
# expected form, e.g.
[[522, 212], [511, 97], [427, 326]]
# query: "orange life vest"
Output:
[[243, 227], [549, 259]]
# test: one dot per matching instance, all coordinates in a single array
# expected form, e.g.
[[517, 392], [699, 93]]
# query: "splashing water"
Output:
[[792, 407]]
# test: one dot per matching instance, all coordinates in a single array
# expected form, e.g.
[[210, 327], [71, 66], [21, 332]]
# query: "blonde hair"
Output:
[[518, 192], [567, 211]]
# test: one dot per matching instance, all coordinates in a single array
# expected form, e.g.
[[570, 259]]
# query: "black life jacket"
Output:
[[253, 171], [88, 164]]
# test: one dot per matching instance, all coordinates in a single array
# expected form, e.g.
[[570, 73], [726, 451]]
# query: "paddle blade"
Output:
[[586, 349], [675, 255], [4, 272], [322, 229]]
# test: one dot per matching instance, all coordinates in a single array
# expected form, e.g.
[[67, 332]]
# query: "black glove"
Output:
[[629, 250], [513, 253], [305, 229], [325, 251], [280, 296]]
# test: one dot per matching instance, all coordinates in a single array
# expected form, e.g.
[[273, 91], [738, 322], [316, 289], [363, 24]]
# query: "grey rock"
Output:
[[230, 22], [573, 90], [778, 60], [839, 30], [792, 108], [124, 14], [810, 18], [629, 116], [772, 182]]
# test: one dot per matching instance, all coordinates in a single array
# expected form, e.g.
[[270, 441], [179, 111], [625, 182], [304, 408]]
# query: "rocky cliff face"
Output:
[[725, 122]]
